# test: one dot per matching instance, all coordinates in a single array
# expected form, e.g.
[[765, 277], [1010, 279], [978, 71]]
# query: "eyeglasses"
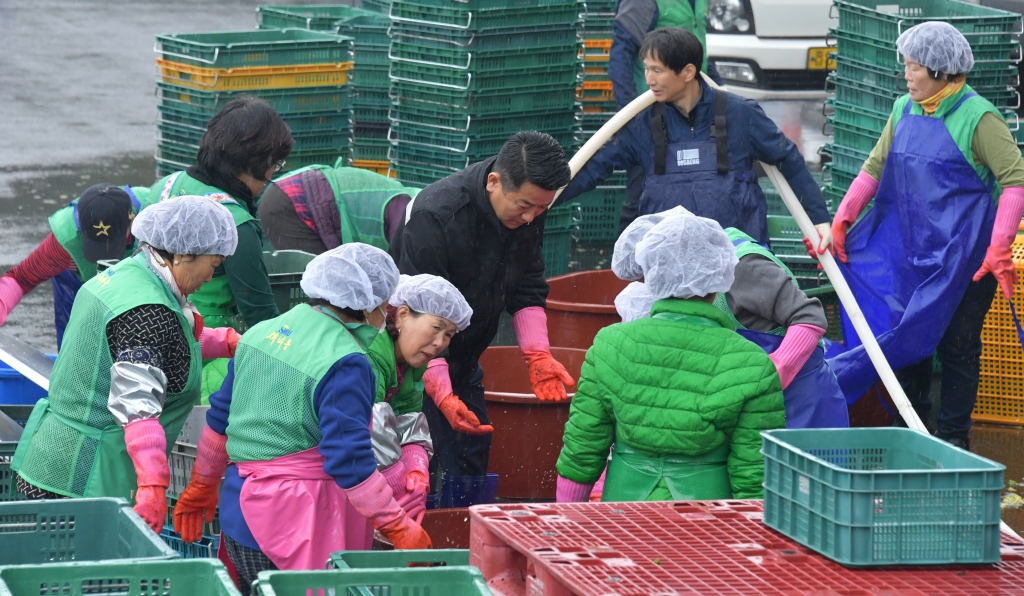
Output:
[[279, 165]]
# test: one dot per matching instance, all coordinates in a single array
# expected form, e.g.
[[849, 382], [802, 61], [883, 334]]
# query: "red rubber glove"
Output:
[[857, 197], [198, 502], [373, 499], [461, 419], [547, 375], [999, 256], [147, 447]]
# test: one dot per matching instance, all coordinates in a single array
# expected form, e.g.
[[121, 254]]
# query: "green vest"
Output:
[[960, 124], [361, 197], [72, 444], [409, 397], [214, 299], [278, 365], [62, 224], [677, 13], [750, 247]]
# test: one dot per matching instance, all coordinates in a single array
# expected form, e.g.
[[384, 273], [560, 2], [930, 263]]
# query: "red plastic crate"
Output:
[[690, 548]]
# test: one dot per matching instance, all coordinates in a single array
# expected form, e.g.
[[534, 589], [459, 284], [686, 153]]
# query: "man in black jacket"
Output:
[[481, 229]]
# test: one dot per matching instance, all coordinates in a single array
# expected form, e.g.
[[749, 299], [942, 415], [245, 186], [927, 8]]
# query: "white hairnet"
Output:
[[623, 260], [433, 295], [634, 302], [188, 225], [686, 256], [356, 276], [937, 45]]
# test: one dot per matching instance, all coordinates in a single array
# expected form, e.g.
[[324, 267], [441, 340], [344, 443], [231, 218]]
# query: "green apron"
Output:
[[72, 445]]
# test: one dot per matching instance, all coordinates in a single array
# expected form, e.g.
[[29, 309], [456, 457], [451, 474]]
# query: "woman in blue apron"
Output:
[[919, 261]]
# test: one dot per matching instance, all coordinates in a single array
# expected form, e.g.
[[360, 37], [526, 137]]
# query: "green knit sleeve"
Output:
[[876, 160], [764, 410], [590, 431]]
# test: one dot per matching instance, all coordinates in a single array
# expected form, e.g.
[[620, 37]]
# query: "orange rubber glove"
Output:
[[999, 256], [373, 499], [547, 375], [438, 385], [198, 502], [147, 447]]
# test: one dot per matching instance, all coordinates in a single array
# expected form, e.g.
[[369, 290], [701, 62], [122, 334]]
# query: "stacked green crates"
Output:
[[868, 77], [302, 74], [369, 32]]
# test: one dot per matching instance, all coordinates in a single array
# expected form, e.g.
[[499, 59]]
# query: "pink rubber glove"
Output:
[[438, 385], [436, 381], [147, 446], [547, 375], [218, 342], [567, 491], [598, 490], [373, 500], [409, 481], [857, 197], [198, 502], [796, 348], [10, 296], [999, 257]]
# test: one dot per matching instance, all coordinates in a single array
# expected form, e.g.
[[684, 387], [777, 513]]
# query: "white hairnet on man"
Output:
[[938, 46], [623, 260], [354, 275], [433, 295], [686, 256], [634, 302], [188, 225]]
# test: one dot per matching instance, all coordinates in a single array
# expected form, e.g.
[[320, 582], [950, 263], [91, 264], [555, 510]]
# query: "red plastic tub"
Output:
[[527, 431], [580, 305]]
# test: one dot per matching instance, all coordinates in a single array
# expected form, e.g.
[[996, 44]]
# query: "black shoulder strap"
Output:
[[660, 137], [718, 132]]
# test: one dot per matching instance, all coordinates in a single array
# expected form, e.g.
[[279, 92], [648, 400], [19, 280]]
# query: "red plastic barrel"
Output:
[[527, 431], [580, 305]]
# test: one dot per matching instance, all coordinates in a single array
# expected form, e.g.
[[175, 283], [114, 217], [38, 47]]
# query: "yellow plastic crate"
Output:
[[382, 167], [1001, 390], [256, 78]]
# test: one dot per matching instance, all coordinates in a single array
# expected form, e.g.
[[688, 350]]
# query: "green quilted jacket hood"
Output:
[[670, 387], [409, 397]]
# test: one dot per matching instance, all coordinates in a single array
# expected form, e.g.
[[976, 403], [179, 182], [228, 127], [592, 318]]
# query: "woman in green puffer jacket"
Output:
[[681, 395]]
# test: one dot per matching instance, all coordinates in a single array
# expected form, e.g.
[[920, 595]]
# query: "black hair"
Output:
[[246, 137], [533, 157], [351, 313], [674, 47], [392, 318]]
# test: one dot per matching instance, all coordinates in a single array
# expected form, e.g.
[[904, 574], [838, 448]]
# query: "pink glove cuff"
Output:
[[436, 380], [415, 458], [796, 348], [1008, 215], [211, 457], [373, 499], [395, 475], [10, 296], [531, 325], [568, 491], [861, 191], [147, 446], [214, 342]]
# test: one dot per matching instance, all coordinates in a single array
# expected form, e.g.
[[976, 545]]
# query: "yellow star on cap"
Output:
[[103, 230]]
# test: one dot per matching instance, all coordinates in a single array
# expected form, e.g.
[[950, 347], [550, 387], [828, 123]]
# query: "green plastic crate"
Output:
[[141, 578], [310, 140], [378, 6], [826, 294], [501, 102], [555, 250], [377, 559], [882, 496], [563, 217], [206, 104], [515, 39], [476, 146], [285, 268], [845, 158], [312, 122], [877, 19], [854, 137], [370, 149], [435, 16], [366, 28], [204, 548], [839, 177], [600, 211], [36, 532], [863, 118], [501, 125], [891, 78], [209, 529], [254, 48], [873, 51], [468, 81], [450, 581], [372, 77], [7, 489], [417, 174], [478, 61]]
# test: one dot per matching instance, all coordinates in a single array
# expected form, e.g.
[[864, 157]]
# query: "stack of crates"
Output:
[[868, 75], [370, 103], [303, 74]]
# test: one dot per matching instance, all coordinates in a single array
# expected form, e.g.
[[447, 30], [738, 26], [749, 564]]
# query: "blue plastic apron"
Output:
[[65, 288], [813, 399], [912, 256]]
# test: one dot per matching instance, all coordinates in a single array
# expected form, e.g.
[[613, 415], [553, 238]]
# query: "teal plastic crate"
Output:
[[478, 61], [600, 211], [845, 158], [854, 137], [883, 20], [141, 578], [378, 559], [450, 581], [872, 51], [447, 78], [437, 16], [456, 101], [411, 114], [563, 217], [555, 250], [826, 294], [285, 268], [205, 104], [65, 530], [254, 48], [882, 496], [370, 149], [204, 548], [891, 78], [365, 27], [209, 529], [8, 492]]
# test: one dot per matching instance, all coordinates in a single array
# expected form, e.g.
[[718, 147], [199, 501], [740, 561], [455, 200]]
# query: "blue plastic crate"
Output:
[[204, 548], [882, 496], [15, 389]]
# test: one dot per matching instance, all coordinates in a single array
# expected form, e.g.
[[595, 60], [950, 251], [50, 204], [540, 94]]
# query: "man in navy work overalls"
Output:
[[698, 146]]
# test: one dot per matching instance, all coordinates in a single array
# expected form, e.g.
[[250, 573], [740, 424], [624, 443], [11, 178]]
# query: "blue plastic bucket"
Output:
[[15, 389]]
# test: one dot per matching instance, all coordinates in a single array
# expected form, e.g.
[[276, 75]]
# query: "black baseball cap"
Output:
[[103, 218]]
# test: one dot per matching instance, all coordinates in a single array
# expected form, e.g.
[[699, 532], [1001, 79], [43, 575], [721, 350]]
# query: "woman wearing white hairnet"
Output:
[[293, 415], [423, 316], [947, 179], [128, 374], [680, 394]]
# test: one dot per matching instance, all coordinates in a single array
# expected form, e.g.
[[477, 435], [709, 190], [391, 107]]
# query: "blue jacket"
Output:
[[633, 20], [344, 415], [752, 137]]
